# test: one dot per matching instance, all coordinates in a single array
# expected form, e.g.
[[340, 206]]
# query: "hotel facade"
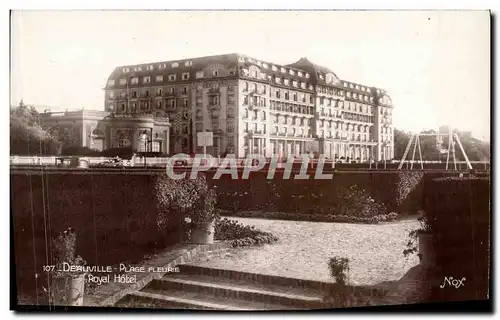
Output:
[[250, 106]]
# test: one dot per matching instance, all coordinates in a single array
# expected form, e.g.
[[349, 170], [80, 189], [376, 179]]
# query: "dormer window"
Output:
[[283, 70], [311, 87], [274, 68], [368, 90], [357, 87], [125, 70], [363, 89], [292, 72], [188, 63], [150, 67], [265, 66], [215, 73], [162, 66], [299, 74], [111, 82], [175, 65], [351, 86], [345, 84], [307, 75]]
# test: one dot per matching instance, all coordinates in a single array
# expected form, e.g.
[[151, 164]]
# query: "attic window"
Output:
[[175, 65], [292, 72], [150, 67], [307, 75], [283, 70], [274, 68], [215, 73], [265, 66], [368, 90], [125, 70], [188, 63], [321, 76], [299, 74], [357, 87], [363, 89], [162, 66], [351, 86], [111, 82]]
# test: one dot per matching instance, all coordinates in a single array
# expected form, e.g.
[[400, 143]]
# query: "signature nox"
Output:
[[453, 282]]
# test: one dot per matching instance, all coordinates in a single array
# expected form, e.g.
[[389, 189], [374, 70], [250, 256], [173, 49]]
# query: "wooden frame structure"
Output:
[[452, 139]]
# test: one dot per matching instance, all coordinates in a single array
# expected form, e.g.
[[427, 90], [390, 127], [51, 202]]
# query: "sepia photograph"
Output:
[[250, 160]]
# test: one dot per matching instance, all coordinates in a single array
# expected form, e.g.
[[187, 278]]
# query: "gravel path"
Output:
[[375, 252]]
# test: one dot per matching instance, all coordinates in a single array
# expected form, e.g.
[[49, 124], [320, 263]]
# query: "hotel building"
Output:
[[250, 105]]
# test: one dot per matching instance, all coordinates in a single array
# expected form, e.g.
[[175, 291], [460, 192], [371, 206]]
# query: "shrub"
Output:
[[64, 249], [191, 198], [339, 269], [241, 235]]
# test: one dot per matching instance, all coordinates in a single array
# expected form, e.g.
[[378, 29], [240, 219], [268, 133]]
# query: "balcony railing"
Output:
[[213, 91]]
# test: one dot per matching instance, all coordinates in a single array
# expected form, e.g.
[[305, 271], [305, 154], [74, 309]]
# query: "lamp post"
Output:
[[144, 137]]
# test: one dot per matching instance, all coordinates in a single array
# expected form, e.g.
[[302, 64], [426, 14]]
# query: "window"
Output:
[[134, 80], [123, 143], [277, 79], [185, 76], [277, 94], [253, 74], [292, 72], [264, 65], [274, 68], [188, 63], [134, 94], [159, 104], [146, 93], [159, 78], [230, 113], [263, 115], [111, 94], [185, 90], [111, 82], [123, 81], [171, 77], [159, 92], [215, 73], [171, 90], [175, 65], [162, 66], [283, 70], [146, 79], [295, 84], [294, 97], [185, 102], [307, 75], [185, 129], [125, 70], [287, 82], [286, 95], [150, 67], [199, 74]]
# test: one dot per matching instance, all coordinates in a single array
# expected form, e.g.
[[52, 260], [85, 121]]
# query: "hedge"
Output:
[[397, 191], [458, 210], [114, 215]]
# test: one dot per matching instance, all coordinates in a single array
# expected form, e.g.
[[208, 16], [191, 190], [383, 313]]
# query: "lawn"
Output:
[[375, 252]]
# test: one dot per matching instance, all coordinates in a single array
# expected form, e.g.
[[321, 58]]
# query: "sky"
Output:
[[434, 64]]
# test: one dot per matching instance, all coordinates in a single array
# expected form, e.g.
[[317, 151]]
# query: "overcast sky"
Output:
[[435, 65]]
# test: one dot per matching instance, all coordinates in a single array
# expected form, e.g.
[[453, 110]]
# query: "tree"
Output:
[[27, 137]]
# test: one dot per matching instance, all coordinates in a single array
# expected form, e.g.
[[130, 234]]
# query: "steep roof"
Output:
[[313, 69]]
